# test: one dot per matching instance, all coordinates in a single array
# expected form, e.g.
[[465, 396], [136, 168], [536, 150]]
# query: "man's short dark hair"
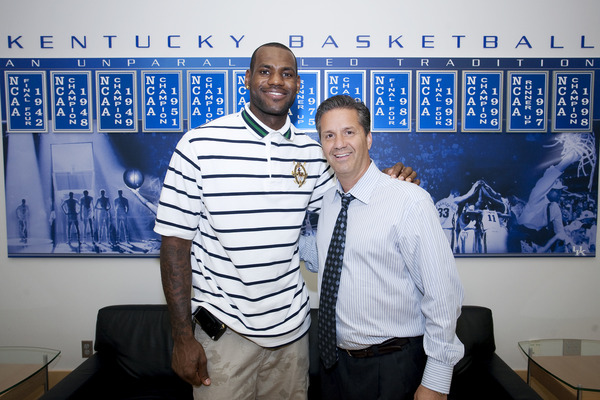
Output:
[[272, 44], [348, 103]]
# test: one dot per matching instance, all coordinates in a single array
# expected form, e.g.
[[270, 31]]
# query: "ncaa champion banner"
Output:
[[500, 124]]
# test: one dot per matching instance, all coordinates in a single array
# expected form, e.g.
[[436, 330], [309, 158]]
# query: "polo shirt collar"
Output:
[[364, 188], [255, 125]]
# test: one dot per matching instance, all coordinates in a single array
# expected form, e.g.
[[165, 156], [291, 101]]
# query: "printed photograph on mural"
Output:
[[74, 194]]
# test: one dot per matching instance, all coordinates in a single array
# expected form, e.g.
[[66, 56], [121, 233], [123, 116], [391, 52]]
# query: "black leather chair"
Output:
[[482, 374], [132, 359]]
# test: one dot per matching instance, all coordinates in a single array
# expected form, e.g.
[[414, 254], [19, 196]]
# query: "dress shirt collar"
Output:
[[255, 125], [364, 188]]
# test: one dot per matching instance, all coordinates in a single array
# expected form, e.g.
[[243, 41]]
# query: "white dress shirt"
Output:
[[399, 278]]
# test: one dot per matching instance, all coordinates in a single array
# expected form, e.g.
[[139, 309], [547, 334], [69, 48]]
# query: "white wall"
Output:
[[52, 302]]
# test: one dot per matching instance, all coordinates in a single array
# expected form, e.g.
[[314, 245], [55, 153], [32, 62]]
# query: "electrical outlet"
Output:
[[87, 348], [571, 347], [534, 349]]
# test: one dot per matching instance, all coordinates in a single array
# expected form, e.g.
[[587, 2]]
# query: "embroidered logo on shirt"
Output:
[[299, 173]]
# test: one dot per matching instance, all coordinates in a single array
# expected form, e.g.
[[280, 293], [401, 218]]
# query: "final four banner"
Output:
[[506, 147]]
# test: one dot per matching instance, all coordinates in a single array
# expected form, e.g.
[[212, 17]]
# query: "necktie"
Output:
[[330, 284]]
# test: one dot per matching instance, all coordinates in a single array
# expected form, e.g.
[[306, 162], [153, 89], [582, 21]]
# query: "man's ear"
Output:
[[369, 140], [247, 79]]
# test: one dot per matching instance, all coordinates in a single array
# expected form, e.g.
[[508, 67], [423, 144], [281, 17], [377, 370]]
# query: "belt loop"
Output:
[[375, 351]]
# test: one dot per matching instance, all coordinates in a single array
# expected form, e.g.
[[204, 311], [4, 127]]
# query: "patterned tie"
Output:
[[330, 284]]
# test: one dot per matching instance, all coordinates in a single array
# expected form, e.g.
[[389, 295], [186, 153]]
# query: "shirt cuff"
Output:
[[307, 247], [437, 376]]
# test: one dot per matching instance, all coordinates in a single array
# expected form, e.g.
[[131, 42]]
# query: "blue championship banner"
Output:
[[506, 147], [26, 102], [161, 99], [436, 101], [71, 101], [527, 101], [572, 105], [307, 100], [240, 92], [116, 101], [349, 83], [482, 101], [391, 94], [207, 96]]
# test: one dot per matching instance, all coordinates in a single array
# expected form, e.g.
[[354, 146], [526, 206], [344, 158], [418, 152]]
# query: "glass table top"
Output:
[[575, 362], [17, 364]]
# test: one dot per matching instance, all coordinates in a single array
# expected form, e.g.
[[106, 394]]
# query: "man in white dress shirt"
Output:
[[399, 293]]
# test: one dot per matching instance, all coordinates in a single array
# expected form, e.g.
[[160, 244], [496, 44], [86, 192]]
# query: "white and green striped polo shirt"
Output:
[[241, 192]]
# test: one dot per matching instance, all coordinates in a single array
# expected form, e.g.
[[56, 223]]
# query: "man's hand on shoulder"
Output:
[[403, 173]]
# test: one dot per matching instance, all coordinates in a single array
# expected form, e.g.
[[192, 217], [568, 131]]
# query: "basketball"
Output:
[[133, 178]]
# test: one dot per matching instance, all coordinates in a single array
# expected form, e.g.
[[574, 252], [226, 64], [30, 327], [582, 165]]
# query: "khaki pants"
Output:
[[239, 369]]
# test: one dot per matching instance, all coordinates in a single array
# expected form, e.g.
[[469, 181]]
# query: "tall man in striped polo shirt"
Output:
[[399, 291], [234, 198]]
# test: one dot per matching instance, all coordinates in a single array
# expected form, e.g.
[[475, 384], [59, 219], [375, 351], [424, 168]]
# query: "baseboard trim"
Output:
[[55, 376]]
